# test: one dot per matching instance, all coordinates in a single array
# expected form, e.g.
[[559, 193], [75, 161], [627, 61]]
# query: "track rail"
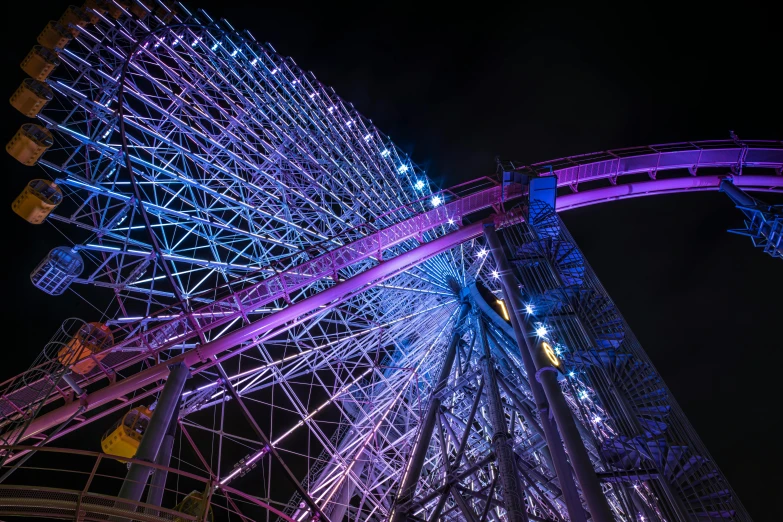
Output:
[[685, 161]]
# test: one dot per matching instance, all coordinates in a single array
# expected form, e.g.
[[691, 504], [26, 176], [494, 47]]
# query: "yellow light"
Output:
[[550, 353], [503, 310]]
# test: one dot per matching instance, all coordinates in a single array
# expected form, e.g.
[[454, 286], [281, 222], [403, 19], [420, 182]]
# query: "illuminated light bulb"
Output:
[[550, 354], [385, 153], [402, 169], [495, 274], [541, 331], [482, 253], [529, 309], [583, 395], [436, 200], [450, 221], [503, 309], [596, 419], [571, 374], [255, 61], [274, 71], [419, 185], [234, 53]]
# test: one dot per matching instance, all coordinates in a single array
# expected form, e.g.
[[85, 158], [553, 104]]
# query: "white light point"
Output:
[[482, 253], [495, 274], [436, 200], [418, 185], [402, 169], [529, 309], [385, 153], [541, 331]]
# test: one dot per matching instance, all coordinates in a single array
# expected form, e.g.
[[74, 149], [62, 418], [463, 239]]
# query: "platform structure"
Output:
[[302, 323]]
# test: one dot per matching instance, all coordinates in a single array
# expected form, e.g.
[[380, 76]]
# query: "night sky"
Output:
[[456, 87]]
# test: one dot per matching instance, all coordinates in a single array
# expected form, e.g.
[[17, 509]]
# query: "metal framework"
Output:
[[334, 310]]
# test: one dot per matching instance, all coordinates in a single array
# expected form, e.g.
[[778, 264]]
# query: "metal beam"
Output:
[[543, 373], [416, 462], [315, 510], [168, 402], [513, 498], [288, 316]]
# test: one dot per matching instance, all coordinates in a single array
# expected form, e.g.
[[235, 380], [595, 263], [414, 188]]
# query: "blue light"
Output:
[[436, 200], [583, 394], [419, 185], [529, 308], [482, 253], [214, 47], [402, 169], [495, 274], [384, 153], [234, 53], [541, 331], [571, 374], [274, 71], [255, 61]]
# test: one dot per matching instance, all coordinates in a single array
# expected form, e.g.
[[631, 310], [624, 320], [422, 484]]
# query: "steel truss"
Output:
[[239, 217]]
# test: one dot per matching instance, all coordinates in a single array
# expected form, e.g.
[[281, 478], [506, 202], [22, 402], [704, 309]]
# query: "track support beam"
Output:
[[536, 367]]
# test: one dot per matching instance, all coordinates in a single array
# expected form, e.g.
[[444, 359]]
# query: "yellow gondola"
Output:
[[29, 143], [99, 6], [37, 200], [31, 97], [55, 36], [124, 437], [40, 62], [75, 18]]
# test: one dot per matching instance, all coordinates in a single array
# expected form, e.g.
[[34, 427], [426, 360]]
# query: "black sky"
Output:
[[456, 86]]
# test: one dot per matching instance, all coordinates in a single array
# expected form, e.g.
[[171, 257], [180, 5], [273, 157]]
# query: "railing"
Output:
[[82, 489]]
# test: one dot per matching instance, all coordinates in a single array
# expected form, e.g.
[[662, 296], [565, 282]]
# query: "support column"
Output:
[[158, 480], [513, 499], [539, 370], [168, 403], [408, 486]]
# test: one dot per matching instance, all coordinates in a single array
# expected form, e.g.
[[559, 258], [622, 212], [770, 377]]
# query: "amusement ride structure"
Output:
[[298, 325]]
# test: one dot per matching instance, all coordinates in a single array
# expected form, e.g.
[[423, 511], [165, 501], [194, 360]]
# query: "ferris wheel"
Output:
[[192, 167], [263, 250]]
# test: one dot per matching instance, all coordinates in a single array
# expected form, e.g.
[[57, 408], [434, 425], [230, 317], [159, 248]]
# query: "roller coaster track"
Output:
[[594, 178]]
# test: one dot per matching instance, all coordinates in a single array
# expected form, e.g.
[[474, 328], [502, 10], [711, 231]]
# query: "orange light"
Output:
[[503, 310], [550, 353]]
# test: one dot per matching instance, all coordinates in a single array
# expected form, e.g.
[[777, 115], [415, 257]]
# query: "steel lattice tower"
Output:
[[320, 333]]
